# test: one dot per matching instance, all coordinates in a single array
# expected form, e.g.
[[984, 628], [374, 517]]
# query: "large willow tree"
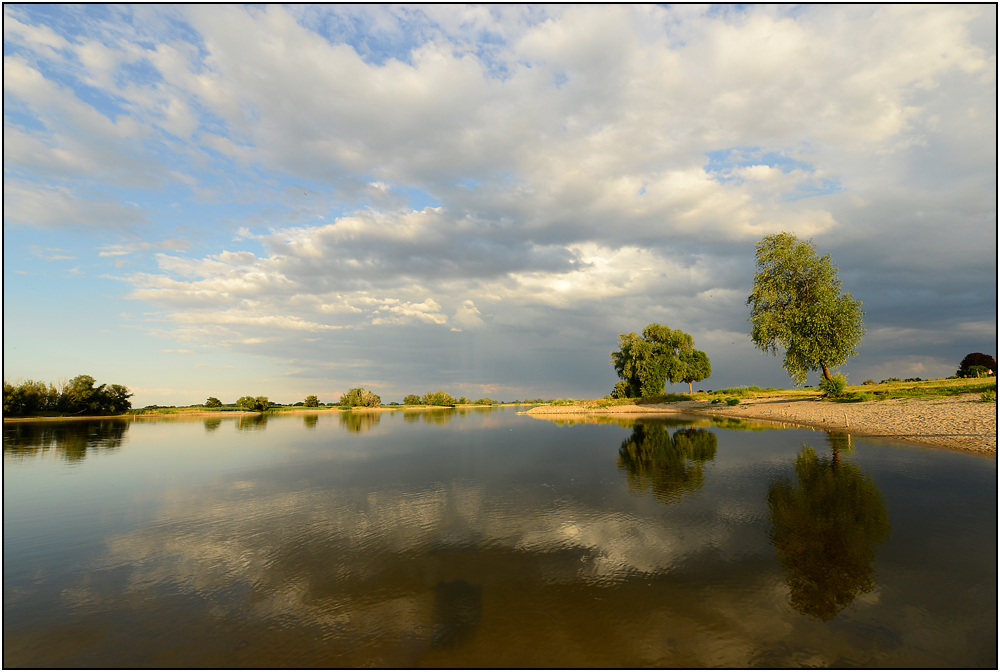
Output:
[[645, 363], [797, 305]]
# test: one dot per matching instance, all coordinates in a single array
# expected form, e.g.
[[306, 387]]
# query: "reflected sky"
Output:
[[483, 539]]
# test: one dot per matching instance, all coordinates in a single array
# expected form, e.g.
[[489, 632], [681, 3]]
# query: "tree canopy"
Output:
[[359, 396], [976, 359], [797, 305], [439, 398], [696, 367], [79, 396], [259, 404], [212, 402], [661, 354], [311, 401]]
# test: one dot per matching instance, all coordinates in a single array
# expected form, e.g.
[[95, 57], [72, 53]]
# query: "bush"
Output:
[[988, 396], [732, 401], [863, 396], [891, 380], [716, 401], [868, 382], [621, 390], [974, 371], [834, 387]]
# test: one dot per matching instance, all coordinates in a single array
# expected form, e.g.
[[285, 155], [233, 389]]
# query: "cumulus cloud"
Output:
[[397, 170]]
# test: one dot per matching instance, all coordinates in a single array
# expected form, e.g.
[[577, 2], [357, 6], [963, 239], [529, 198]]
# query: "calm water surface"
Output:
[[488, 539]]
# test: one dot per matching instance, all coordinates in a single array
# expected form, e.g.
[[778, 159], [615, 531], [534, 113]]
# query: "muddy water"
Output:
[[488, 539]]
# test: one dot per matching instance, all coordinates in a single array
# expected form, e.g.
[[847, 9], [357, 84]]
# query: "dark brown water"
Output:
[[488, 539]]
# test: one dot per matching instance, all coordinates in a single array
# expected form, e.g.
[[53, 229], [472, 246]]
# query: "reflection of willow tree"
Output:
[[212, 424], [247, 423], [353, 421], [310, 421], [670, 467], [71, 440], [827, 530]]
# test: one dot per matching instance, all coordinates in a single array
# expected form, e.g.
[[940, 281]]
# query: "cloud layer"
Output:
[[518, 179]]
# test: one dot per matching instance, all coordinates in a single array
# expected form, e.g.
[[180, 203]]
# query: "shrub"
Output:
[[988, 396], [863, 396], [835, 386], [868, 382], [716, 401], [732, 401], [891, 380], [974, 371], [621, 390]]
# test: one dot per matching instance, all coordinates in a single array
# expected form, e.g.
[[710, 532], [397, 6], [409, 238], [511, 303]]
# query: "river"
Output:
[[483, 538]]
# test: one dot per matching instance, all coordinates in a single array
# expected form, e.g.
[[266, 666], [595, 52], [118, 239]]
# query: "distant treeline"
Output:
[[76, 397]]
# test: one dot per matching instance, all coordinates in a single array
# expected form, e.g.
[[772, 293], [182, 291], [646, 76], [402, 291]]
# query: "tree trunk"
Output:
[[826, 371], [690, 389]]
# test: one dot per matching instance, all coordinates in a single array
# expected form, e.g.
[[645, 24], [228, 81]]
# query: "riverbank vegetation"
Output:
[[77, 397]]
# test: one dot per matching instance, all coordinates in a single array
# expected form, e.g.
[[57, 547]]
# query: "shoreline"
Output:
[[183, 413], [954, 423]]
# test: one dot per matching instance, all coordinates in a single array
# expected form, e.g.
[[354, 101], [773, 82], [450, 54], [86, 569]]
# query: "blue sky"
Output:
[[223, 200]]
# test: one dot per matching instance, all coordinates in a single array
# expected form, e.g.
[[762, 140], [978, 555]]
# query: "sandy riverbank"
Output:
[[957, 422]]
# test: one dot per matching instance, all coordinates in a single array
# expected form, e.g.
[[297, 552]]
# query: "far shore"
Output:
[[957, 422], [206, 413]]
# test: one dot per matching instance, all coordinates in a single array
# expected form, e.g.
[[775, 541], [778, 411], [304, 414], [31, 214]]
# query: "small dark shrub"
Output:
[[732, 401], [868, 382], [834, 387]]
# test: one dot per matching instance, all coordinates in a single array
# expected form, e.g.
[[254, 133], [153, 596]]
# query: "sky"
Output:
[[220, 200]]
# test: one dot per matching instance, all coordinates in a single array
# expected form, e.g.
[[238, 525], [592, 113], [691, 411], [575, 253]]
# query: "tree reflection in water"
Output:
[[358, 422], [827, 530], [670, 467], [212, 424], [70, 440], [310, 421], [249, 423]]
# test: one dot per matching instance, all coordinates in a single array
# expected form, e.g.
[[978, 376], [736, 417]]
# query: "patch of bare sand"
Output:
[[958, 423]]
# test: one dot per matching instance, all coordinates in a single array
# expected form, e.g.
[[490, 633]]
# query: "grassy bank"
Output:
[[925, 389]]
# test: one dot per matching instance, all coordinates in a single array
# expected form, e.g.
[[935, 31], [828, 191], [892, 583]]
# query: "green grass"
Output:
[[927, 389]]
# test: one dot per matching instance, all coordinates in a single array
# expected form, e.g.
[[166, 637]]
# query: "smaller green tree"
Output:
[[646, 363], [411, 399], [212, 402], [696, 368], [463, 400], [311, 401]]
